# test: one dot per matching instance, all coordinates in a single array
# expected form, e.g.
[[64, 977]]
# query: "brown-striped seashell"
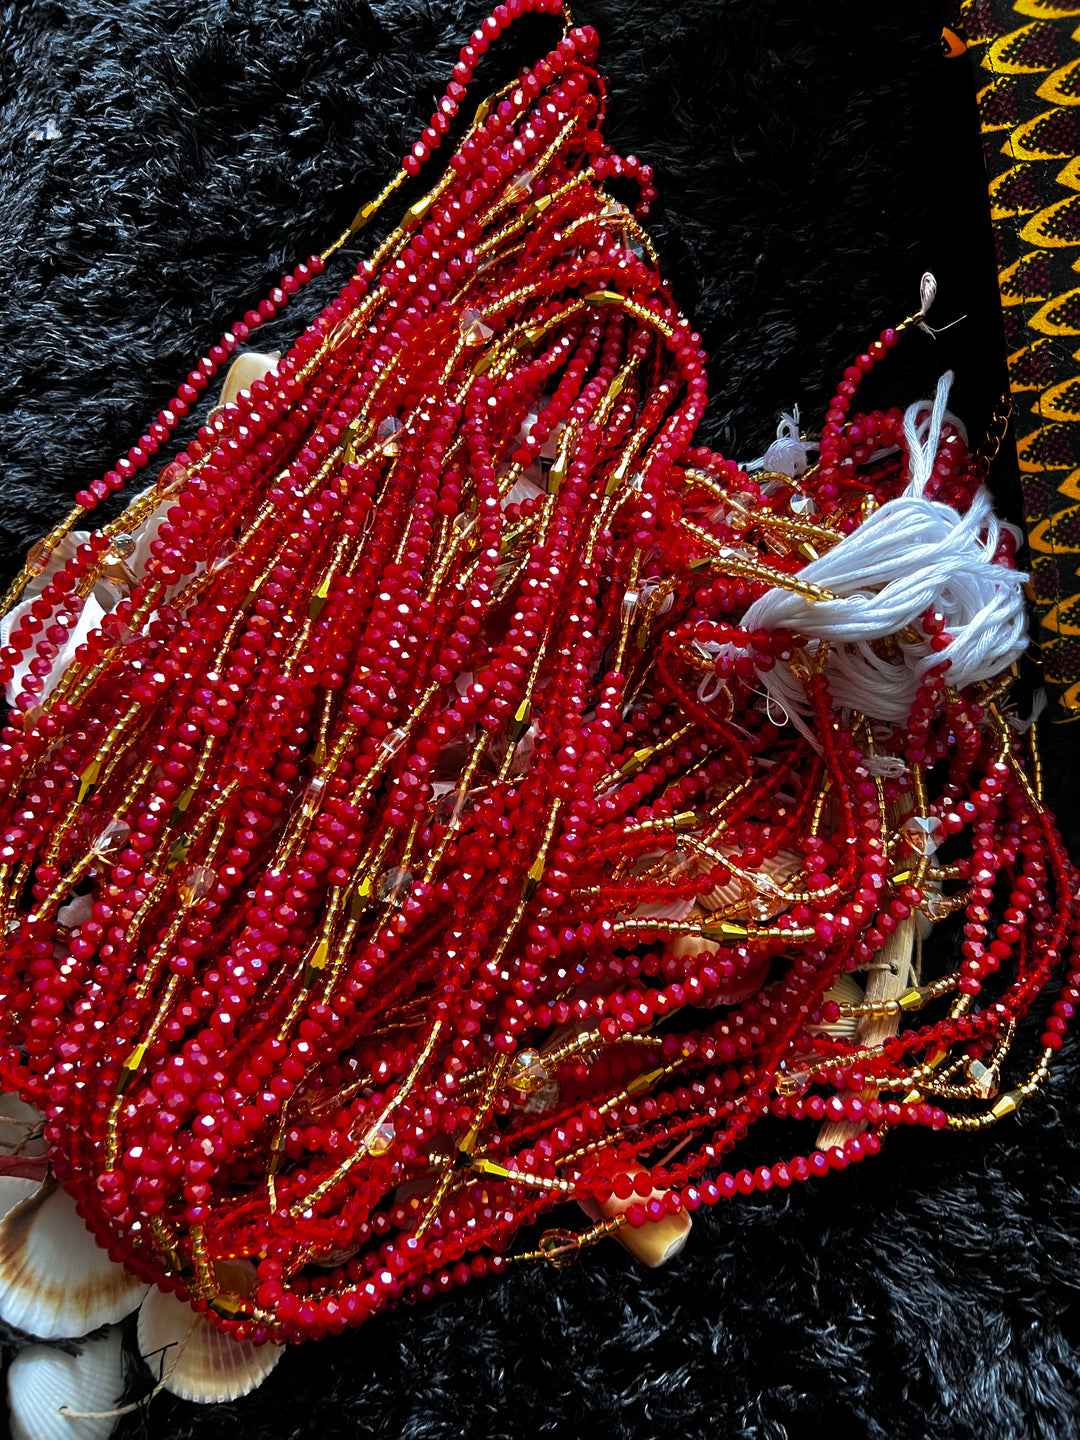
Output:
[[245, 370], [14, 1189], [56, 1282], [656, 1242], [56, 1396], [194, 1359]]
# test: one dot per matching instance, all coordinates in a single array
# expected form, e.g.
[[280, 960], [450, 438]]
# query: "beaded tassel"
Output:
[[398, 835]]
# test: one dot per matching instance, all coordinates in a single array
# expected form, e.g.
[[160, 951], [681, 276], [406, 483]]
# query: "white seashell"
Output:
[[195, 1359], [780, 868], [42, 1379], [17, 1120], [90, 617], [726, 992], [678, 909], [76, 912], [889, 976], [14, 1189], [845, 990], [56, 1281], [685, 946], [722, 897], [526, 487], [244, 371]]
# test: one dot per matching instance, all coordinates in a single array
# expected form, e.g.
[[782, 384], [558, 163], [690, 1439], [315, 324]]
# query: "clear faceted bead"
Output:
[[475, 329], [172, 479], [331, 1259], [380, 1138], [935, 906], [37, 557], [924, 833], [393, 740], [451, 806], [791, 1079], [740, 509], [111, 839], [803, 507], [313, 796], [195, 882], [521, 185], [121, 547], [341, 332], [527, 1073], [984, 1078], [389, 435], [560, 1247], [116, 632], [393, 885]]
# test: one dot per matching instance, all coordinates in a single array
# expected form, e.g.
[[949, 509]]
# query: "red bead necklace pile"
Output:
[[439, 859]]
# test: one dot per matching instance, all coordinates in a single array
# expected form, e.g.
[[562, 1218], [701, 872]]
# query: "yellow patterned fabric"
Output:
[[1027, 59]]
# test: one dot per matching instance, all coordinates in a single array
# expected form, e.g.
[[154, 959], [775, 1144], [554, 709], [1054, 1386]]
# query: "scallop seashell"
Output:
[[55, 1279], [43, 1379], [526, 487], [14, 1189], [89, 618], [678, 909], [244, 371], [740, 892], [845, 990], [196, 1360], [684, 946], [728, 991], [18, 1120]]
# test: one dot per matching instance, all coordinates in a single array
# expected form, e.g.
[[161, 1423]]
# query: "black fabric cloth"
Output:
[[813, 160]]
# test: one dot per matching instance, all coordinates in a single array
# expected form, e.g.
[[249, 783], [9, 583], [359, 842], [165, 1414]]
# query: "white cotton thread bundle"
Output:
[[910, 556]]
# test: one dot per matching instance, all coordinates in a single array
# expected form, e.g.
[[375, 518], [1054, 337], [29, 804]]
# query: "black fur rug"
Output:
[[813, 160]]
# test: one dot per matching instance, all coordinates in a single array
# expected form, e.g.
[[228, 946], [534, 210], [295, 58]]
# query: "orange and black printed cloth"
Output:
[[1026, 55]]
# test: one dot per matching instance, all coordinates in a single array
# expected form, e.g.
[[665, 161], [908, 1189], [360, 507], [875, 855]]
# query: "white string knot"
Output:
[[788, 454], [1023, 723]]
